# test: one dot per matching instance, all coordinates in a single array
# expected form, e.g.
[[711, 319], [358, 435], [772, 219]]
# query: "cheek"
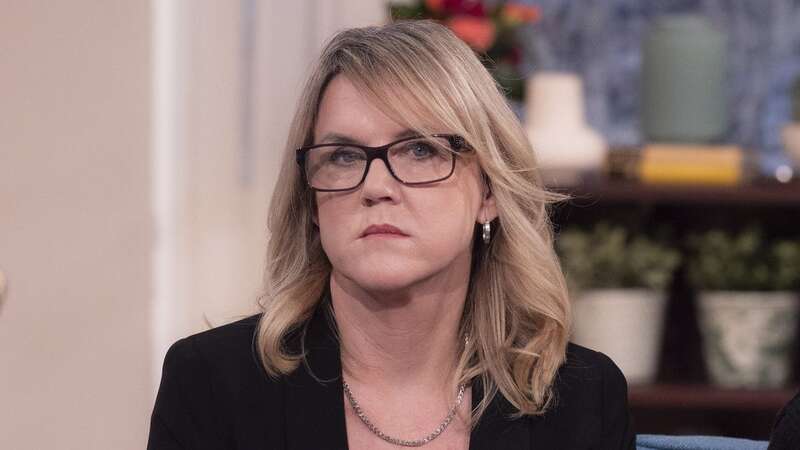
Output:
[[461, 205], [332, 220], [452, 221], [446, 220]]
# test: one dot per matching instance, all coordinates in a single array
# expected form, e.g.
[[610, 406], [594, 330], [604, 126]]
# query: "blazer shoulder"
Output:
[[590, 393], [227, 353], [589, 364], [211, 381], [588, 380], [232, 337]]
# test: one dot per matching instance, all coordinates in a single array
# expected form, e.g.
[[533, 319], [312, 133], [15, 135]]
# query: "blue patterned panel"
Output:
[[601, 40]]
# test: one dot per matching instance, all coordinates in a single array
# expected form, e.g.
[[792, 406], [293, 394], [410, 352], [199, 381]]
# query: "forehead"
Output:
[[345, 109]]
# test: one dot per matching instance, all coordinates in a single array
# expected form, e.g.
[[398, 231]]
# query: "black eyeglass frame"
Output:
[[457, 144]]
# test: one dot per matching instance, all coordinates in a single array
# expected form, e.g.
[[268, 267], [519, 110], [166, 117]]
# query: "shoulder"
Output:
[[234, 338], [210, 381], [588, 366], [590, 395], [226, 352], [219, 366], [589, 377]]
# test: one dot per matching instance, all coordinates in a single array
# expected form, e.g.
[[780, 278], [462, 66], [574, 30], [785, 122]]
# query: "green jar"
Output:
[[683, 81]]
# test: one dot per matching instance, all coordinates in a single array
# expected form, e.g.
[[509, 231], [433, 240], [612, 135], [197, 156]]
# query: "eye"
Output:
[[345, 156], [421, 149]]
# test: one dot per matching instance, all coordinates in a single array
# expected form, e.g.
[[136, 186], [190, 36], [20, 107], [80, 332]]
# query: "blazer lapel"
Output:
[[314, 405], [496, 429]]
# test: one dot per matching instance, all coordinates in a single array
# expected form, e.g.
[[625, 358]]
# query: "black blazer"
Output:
[[215, 395]]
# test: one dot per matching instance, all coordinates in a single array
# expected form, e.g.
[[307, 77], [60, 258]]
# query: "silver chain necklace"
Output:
[[403, 442]]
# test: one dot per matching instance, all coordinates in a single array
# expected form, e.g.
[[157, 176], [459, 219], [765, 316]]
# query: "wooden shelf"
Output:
[[683, 402], [597, 190], [696, 396]]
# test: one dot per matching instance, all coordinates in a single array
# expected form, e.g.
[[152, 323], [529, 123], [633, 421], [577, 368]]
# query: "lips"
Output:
[[383, 229]]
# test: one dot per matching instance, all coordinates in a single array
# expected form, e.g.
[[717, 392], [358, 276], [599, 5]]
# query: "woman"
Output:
[[413, 296]]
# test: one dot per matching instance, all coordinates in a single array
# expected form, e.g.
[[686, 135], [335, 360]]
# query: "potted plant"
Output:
[[791, 132], [618, 280], [747, 305]]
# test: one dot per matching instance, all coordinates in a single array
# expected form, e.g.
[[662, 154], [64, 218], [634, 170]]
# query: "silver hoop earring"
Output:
[[487, 232]]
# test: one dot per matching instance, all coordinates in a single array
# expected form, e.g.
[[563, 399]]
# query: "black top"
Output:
[[786, 431], [214, 394]]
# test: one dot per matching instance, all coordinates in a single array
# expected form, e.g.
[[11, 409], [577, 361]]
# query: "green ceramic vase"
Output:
[[683, 81]]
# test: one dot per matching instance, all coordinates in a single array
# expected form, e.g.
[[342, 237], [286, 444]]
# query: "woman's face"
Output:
[[437, 220]]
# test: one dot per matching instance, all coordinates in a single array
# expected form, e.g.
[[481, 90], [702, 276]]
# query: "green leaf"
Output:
[[608, 256], [746, 261]]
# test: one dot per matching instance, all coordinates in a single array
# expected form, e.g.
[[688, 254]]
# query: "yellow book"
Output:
[[679, 173], [700, 154]]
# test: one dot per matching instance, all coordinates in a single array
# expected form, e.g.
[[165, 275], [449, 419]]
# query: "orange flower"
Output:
[[478, 33], [517, 13], [434, 5]]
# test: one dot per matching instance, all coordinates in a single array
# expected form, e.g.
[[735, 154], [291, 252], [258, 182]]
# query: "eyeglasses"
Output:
[[412, 161]]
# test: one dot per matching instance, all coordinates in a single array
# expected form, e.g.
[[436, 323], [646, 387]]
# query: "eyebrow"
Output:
[[345, 139]]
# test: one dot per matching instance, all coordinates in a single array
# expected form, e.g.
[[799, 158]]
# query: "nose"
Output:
[[379, 185]]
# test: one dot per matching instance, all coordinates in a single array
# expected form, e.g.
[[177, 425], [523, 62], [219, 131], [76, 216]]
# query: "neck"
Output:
[[403, 339]]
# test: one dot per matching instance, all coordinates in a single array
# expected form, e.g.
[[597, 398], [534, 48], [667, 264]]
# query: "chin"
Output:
[[384, 277]]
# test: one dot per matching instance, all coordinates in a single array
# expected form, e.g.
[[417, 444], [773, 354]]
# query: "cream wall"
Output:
[[125, 221], [75, 225]]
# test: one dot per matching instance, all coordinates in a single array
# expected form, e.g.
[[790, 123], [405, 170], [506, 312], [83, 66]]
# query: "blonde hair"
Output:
[[517, 309]]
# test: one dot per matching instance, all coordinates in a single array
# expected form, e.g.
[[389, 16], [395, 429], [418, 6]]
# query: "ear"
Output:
[[488, 209]]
